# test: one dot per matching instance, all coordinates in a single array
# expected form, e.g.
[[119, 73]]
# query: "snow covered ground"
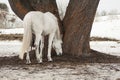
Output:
[[106, 26], [109, 47], [79, 72], [9, 48], [12, 31]]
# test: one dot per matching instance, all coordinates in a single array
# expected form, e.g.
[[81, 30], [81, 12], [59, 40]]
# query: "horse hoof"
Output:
[[59, 54], [50, 60], [28, 62], [40, 62]]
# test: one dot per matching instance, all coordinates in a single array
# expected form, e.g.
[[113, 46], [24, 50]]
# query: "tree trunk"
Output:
[[77, 24], [20, 7]]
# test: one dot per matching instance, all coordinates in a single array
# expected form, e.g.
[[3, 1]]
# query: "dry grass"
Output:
[[19, 37], [102, 39], [11, 37]]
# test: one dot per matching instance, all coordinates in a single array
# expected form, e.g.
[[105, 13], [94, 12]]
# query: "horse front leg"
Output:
[[41, 48], [51, 36]]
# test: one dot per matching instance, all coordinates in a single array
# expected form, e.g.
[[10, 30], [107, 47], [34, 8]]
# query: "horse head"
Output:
[[57, 45]]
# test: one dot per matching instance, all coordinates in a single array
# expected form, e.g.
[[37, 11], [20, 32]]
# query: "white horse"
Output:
[[40, 24]]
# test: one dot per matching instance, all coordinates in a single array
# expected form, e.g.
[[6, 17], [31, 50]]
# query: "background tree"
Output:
[[77, 23], [3, 12], [103, 13], [4, 7], [113, 12]]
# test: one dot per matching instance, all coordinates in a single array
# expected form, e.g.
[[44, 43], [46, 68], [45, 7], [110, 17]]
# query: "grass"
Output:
[[11, 37], [102, 39]]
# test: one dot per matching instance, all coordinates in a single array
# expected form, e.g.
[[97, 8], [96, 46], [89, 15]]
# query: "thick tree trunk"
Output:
[[77, 23]]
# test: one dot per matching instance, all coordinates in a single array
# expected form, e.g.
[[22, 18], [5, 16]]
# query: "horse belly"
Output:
[[48, 31]]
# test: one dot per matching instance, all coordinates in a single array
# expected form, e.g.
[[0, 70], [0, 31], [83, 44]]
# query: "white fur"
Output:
[[40, 24]]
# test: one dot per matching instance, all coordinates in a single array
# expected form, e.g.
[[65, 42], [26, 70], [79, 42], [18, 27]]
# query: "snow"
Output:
[[106, 28], [12, 31], [62, 5], [109, 47], [9, 48]]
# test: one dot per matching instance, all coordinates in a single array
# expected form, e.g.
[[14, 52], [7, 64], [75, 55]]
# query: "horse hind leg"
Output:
[[37, 42], [51, 36]]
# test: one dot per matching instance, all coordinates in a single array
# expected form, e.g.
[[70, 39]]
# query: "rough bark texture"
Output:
[[20, 7], [77, 23]]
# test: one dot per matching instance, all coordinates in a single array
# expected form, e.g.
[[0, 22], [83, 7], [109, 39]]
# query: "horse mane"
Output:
[[58, 36]]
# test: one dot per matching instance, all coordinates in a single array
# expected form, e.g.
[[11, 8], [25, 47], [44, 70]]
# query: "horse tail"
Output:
[[27, 37]]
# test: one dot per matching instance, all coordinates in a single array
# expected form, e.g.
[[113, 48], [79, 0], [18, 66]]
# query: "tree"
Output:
[[113, 12], [76, 24], [103, 13], [3, 7]]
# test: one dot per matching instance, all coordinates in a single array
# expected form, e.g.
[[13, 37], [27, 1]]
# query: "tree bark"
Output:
[[20, 7], [77, 24]]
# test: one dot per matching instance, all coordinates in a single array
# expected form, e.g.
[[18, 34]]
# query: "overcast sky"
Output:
[[106, 5]]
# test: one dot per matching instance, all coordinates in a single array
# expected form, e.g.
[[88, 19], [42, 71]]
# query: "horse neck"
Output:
[[57, 35]]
